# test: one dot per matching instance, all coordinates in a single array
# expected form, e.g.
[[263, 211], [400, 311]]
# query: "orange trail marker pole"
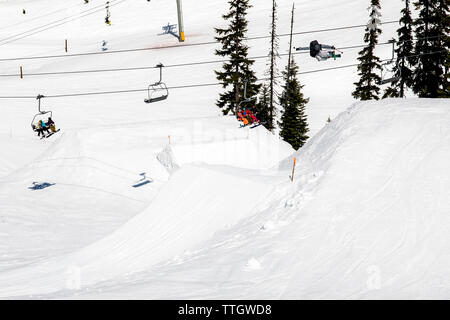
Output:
[[169, 138], [293, 170]]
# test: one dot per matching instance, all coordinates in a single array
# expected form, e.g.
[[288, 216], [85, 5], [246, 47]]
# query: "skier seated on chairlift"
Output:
[[321, 52], [51, 124], [247, 117], [40, 128], [252, 116], [242, 118]]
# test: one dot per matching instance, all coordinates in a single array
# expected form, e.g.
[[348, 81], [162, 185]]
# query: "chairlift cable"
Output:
[[192, 85], [166, 47], [167, 66], [52, 25], [40, 17], [43, 26]]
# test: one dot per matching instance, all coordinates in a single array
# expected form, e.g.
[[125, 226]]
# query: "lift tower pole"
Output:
[[180, 21]]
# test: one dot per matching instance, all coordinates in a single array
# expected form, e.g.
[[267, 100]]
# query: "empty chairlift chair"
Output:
[[157, 91], [384, 67], [388, 80]]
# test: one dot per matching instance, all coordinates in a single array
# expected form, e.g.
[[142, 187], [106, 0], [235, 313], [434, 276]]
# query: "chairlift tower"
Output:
[[180, 22]]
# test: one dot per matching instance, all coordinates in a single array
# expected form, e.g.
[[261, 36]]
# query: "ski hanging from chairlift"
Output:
[[321, 52], [157, 91]]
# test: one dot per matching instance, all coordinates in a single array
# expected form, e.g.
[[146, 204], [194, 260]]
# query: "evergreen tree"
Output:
[[431, 49], [294, 124], [273, 70], [445, 92], [263, 106], [405, 52], [366, 87], [266, 104], [392, 91], [444, 17], [238, 69]]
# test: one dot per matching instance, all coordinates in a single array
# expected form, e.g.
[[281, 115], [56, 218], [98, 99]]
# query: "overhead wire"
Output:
[[41, 16], [170, 46], [170, 65], [52, 25], [43, 26], [191, 85], [147, 67]]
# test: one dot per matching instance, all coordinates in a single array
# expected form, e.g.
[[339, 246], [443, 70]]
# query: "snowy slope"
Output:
[[156, 234], [215, 214], [367, 218]]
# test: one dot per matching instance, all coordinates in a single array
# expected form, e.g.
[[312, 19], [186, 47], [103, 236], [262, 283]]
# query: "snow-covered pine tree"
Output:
[[238, 70], [431, 49], [405, 59], [366, 87], [294, 123]]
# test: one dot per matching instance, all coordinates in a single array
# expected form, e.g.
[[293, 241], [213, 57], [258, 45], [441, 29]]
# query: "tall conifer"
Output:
[[294, 124], [366, 87], [234, 47], [405, 52], [432, 44]]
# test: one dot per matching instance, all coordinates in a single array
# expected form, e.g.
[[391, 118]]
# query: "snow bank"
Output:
[[366, 218], [379, 218], [101, 170], [167, 159], [254, 148], [184, 214]]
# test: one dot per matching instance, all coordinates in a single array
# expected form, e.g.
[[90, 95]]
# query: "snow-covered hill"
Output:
[[173, 200], [367, 218]]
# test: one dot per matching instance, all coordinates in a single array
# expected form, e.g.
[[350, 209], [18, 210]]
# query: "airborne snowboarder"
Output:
[[321, 52]]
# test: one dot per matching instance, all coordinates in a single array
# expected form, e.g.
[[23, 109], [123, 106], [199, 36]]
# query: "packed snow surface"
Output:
[[175, 201]]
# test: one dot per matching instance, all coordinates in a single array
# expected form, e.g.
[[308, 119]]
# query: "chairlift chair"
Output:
[[157, 91], [384, 66], [41, 115], [246, 100], [385, 80], [108, 14]]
